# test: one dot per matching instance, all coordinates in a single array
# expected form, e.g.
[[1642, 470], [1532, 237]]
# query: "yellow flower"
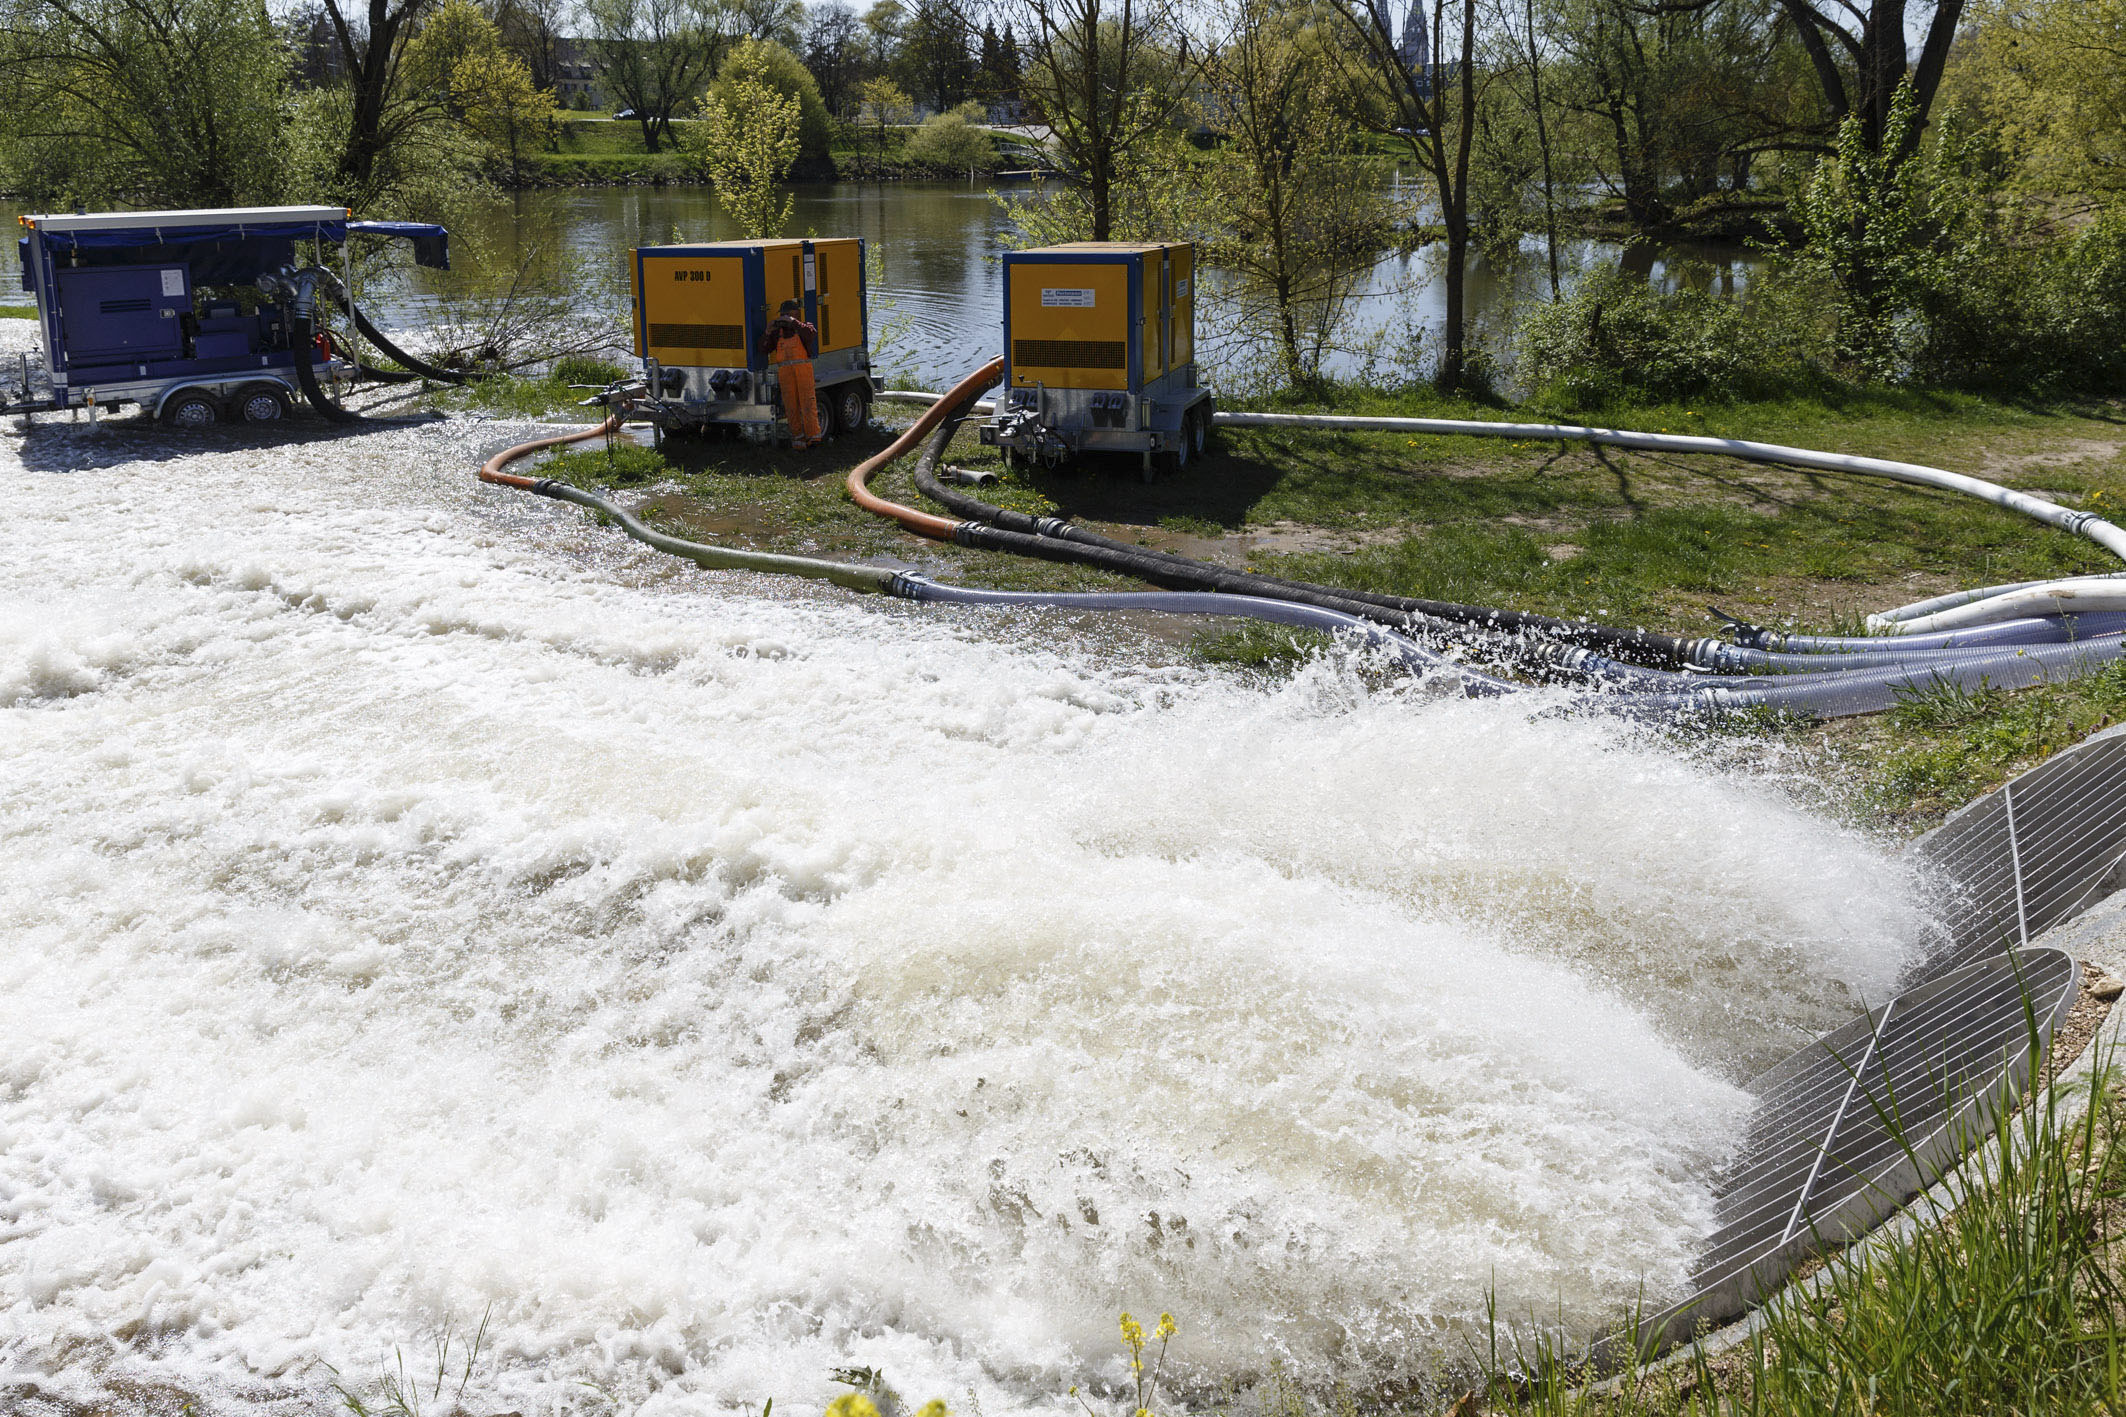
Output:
[[935, 1407], [852, 1404], [1166, 1327], [1132, 1331]]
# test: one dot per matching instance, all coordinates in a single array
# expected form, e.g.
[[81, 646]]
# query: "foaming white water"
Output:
[[420, 907]]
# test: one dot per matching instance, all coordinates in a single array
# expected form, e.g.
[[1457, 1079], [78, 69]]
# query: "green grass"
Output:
[[512, 396], [767, 498], [1938, 750], [18, 312]]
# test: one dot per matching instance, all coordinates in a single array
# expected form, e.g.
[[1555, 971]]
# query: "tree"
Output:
[[532, 31], [655, 55], [775, 66], [1431, 110], [883, 100], [491, 90], [382, 111], [2050, 76], [834, 52], [1299, 221], [933, 62], [1108, 76], [774, 21], [1859, 52], [748, 140], [883, 24], [176, 101], [1686, 96]]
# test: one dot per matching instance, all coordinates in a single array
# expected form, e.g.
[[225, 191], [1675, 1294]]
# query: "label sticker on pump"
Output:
[[173, 282], [1067, 295]]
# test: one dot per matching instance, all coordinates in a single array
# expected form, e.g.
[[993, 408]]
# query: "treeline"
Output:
[[1940, 185]]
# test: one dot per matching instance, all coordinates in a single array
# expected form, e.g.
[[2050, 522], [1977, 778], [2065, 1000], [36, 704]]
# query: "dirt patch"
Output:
[[2069, 454]]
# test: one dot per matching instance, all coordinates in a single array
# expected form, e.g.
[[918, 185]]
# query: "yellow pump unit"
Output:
[[700, 312], [1100, 354]]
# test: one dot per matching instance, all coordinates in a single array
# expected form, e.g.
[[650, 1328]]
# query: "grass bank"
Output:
[[1635, 538]]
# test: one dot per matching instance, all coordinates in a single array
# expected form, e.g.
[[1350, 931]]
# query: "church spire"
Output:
[[1416, 48]]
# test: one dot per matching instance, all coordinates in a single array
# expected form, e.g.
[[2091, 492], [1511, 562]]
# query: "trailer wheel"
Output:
[[191, 409], [262, 403], [1199, 429], [852, 410]]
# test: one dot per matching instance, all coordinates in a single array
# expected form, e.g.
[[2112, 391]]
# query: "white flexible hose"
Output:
[[2080, 596]]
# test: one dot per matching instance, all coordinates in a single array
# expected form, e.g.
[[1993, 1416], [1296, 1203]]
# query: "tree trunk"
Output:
[[1542, 138], [1453, 364]]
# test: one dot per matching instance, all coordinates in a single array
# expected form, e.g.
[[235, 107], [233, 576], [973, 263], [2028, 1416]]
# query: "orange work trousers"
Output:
[[800, 400]]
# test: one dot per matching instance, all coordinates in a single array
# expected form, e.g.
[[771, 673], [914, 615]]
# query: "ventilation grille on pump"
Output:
[[1070, 353], [712, 337], [1822, 1161]]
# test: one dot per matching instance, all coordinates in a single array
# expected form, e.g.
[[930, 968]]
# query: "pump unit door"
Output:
[[1181, 269], [783, 263], [693, 310], [841, 294], [1070, 323]]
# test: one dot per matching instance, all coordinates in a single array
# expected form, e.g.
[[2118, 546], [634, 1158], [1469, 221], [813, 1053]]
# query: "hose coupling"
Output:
[[906, 585]]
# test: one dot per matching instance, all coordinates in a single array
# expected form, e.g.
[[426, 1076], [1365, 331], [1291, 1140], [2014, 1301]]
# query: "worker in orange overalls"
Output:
[[791, 345]]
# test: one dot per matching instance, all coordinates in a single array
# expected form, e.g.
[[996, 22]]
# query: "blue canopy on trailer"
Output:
[[223, 247]]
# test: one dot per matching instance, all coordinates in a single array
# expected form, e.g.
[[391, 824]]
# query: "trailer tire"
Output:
[[1199, 429], [852, 407], [191, 408], [260, 403]]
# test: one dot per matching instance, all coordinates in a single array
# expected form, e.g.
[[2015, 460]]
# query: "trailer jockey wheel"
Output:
[[851, 409], [262, 403], [191, 410]]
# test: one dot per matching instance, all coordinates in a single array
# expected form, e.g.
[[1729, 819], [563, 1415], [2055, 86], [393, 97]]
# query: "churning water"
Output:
[[419, 906]]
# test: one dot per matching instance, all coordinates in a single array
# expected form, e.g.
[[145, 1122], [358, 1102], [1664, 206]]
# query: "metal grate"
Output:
[[1070, 353], [2037, 852], [1852, 1126], [712, 337]]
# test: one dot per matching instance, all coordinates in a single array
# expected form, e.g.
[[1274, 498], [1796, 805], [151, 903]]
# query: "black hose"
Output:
[[1543, 661], [305, 351], [421, 369], [1635, 643]]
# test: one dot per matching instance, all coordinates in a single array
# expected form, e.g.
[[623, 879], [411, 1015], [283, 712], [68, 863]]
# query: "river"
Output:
[[941, 284], [425, 907]]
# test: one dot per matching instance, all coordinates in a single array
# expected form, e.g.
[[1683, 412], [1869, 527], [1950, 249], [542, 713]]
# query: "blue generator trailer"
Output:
[[197, 317]]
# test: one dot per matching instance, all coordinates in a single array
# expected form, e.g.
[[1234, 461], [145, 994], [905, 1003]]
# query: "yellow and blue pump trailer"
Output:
[[700, 312], [1100, 354]]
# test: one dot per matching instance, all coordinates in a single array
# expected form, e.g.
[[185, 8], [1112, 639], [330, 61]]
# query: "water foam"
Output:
[[423, 907]]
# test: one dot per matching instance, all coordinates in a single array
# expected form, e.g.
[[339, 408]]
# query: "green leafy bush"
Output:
[[585, 369], [1618, 339], [2018, 314], [951, 142]]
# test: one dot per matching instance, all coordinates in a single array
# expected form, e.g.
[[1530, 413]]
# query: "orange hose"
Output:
[[492, 471], [921, 523]]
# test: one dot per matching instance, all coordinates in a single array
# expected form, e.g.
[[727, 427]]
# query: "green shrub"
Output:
[[585, 369], [952, 142], [1614, 338], [2040, 316]]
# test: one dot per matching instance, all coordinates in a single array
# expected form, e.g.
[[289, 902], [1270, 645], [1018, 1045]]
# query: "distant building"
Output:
[[576, 76], [1414, 52]]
